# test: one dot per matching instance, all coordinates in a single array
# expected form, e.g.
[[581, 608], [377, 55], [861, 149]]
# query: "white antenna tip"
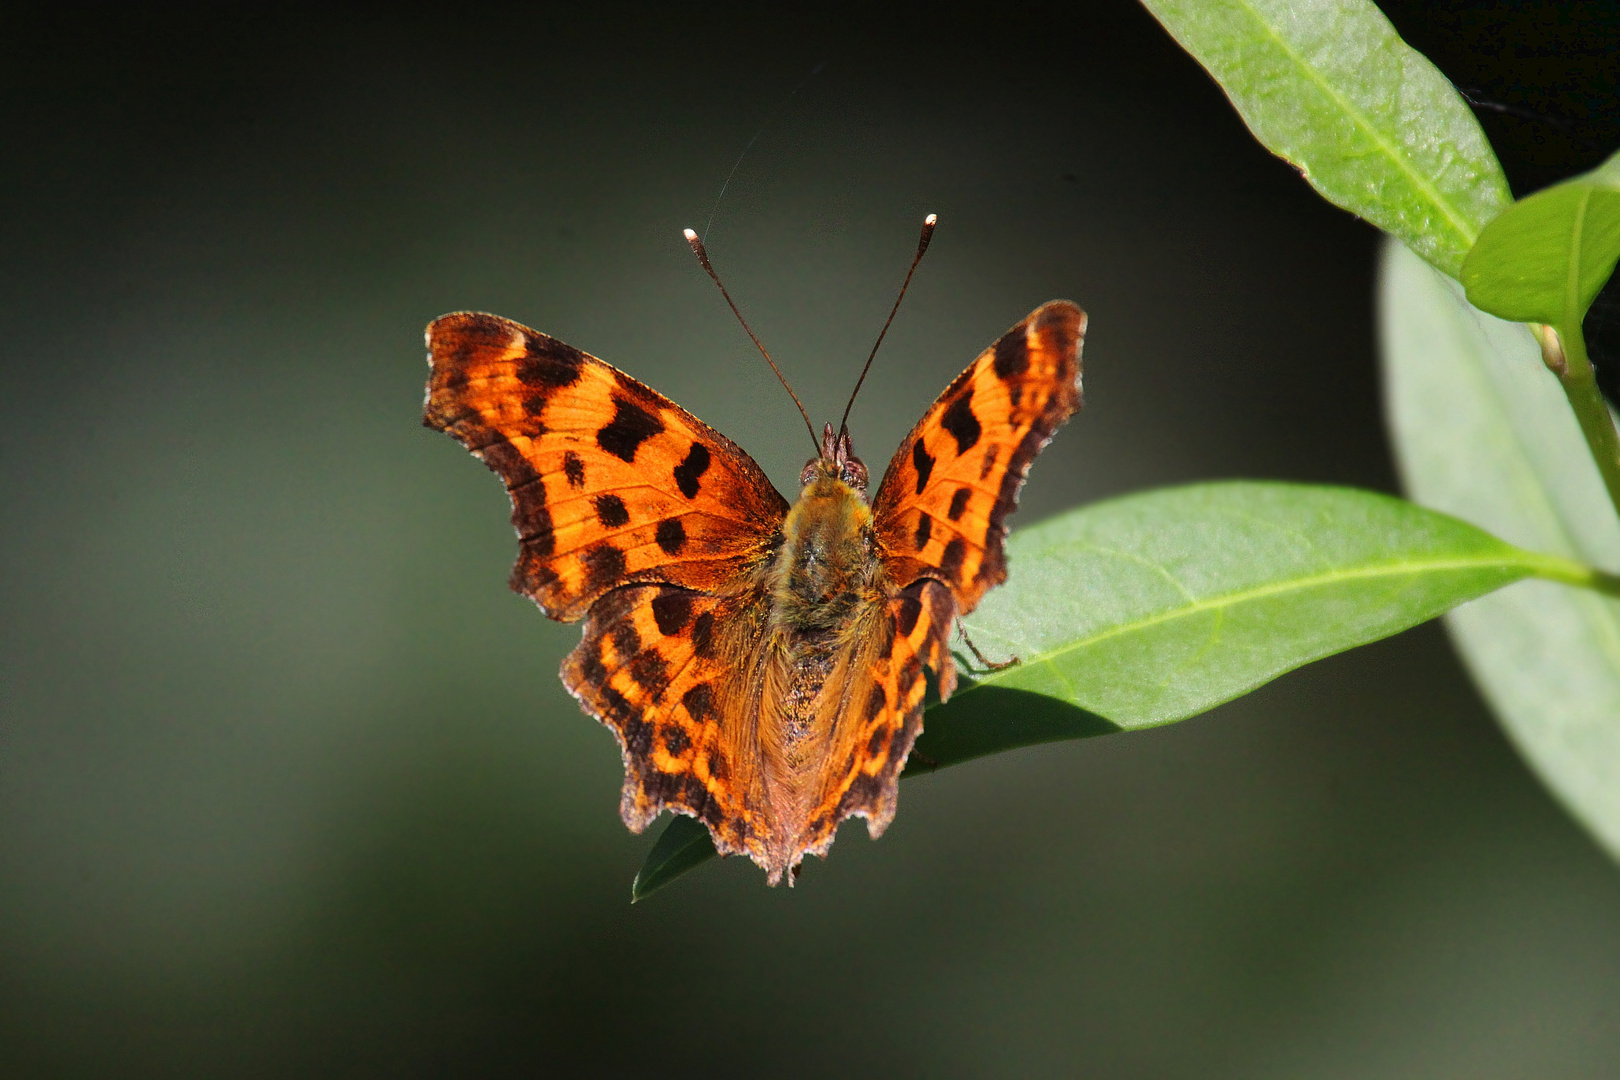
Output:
[[690, 235], [930, 219]]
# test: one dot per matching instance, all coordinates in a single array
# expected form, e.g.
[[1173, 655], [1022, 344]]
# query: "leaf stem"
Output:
[[1569, 572], [1591, 411]]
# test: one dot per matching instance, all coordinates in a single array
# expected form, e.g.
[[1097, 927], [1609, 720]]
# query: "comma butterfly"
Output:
[[761, 664]]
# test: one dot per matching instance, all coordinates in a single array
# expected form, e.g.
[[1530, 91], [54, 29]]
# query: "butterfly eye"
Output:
[[811, 467], [854, 473]]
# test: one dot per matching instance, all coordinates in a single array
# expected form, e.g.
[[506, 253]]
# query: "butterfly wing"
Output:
[[631, 509], [878, 715], [941, 509], [611, 482], [656, 666]]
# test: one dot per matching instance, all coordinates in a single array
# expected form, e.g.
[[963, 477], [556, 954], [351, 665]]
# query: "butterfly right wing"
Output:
[[611, 482], [941, 510]]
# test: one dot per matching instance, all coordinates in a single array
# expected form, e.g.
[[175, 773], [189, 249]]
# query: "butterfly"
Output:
[[760, 662]]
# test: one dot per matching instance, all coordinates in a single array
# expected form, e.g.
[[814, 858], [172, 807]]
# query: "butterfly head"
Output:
[[837, 460]]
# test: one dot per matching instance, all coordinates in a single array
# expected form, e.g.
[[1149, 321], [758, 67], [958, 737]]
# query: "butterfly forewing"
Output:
[[611, 482], [941, 510]]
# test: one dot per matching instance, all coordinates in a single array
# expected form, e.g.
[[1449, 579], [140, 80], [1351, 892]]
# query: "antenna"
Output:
[[769, 120], [922, 246], [703, 257]]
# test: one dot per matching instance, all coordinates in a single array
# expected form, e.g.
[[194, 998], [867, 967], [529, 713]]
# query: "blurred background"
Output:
[[288, 784]]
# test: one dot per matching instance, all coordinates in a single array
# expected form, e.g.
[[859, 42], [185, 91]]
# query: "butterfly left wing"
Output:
[[611, 482], [630, 509], [941, 510]]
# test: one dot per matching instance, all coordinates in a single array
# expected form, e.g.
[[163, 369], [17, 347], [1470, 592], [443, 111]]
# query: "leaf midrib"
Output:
[[1530, 563], [1462, 228]]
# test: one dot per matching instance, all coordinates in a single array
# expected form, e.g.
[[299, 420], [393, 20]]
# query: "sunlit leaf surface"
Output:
[[1547, 256], [1329, 86]]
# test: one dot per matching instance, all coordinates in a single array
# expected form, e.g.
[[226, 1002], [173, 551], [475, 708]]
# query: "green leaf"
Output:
[[1329, 86], [683, 844], [1482, 430], [1545, 258], [1152, 608], [1155, 607]]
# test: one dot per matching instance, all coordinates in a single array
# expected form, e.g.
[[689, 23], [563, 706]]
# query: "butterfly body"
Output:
[[761, 664]]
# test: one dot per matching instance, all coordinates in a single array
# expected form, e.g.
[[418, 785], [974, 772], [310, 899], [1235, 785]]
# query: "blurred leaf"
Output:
[[1329, 86], [1152, 608], [1482, 430], [1546, 257], [683, 844]]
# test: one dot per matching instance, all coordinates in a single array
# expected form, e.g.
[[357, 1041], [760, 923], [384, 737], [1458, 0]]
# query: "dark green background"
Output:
[[288, 785]]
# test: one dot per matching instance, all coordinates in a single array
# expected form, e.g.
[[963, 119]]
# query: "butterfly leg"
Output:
[[988, 664]]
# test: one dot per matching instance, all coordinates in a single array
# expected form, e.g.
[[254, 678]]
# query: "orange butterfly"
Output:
[[760, 663]]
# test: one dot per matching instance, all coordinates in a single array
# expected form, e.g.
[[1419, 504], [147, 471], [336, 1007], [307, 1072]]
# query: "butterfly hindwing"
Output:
[[649, 668], [611, 482], [941, 510], [884, 717]]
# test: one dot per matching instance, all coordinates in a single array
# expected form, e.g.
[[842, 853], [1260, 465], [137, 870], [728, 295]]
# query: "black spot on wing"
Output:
[[610, 511], [672, 611], [604, 566], [626, 641], [699, 702], [989, 461], [675, 740], [549, 364], [959, 420], [877, 742], [671, 536], [909, 608], [876, 702], [1012, 354], [651, 673], [574, 470], [959, 503], [703, 635], [458, 377], [630, 427], [925, 525], [950, 563], [922, 462], [690, 471]]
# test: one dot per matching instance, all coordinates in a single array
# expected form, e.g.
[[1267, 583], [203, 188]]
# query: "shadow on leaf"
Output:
[[976, 722]]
